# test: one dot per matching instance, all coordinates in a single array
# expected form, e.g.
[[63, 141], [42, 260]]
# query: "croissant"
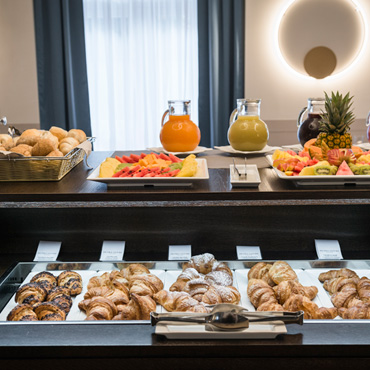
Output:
[[345, 297], [49, 311], [22, 312], [221, 294], [363, 288], [118, 276], [270, 306], [344, 272], [281, 271], [203, 263], [196, 288], [261, 271], [139, 308], [179, 302], [134, 269], [71, 280], [289, 287], [67, 144], [46, 279], [147, 284], [355, 312], [337, 284], [98, 308], [98, 281], [118, 294], [185, 276], [260, 292], [31, 293], [219, 277]]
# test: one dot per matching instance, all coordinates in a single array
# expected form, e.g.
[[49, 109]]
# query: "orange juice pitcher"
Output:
[[247, 132], [179, 133]]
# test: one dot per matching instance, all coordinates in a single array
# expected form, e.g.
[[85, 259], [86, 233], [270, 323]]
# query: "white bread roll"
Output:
[[22, 149], [58, 132], [45, 144], [29, 137]]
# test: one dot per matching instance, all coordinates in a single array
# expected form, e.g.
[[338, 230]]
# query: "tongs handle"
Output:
[[155, 317], [285, 317]]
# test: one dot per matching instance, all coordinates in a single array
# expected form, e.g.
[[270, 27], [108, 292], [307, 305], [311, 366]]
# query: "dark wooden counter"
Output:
[[211, 216]]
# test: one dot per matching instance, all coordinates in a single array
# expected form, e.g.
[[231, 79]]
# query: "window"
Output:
[[140, 54]]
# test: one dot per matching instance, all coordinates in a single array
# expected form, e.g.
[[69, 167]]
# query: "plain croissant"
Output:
[[259, 292], [281, 271], [287, 288], [344, 272], [261, 271], [67, 144]]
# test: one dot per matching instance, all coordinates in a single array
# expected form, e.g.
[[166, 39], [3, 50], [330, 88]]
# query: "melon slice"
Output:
[[344, 170]]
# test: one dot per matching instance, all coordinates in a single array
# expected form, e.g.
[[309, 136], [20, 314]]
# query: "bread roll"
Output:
[[45, 144], [55, 153], [67, 144], [6, 141], [77, 134], [22, 149], [58, 132], [29, 137]]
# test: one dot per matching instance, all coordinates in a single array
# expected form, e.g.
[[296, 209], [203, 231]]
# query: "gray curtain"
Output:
[[221, 66], [61, 64]]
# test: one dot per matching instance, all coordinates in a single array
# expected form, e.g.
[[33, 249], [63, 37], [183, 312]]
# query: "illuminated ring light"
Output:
[[321, 38]]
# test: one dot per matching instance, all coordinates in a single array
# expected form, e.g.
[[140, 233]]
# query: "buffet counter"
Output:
[[211, 216]]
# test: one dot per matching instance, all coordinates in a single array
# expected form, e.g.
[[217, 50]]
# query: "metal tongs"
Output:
[[227, 319], [236, 170]]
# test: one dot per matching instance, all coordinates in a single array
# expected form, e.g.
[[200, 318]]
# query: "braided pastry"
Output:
[[281, 271], [260, 292], [139, 308], [46, 279], [71, 280], [261, 271], [31, 293], [49, 311], [179, 302], [337, 273], [287, 288], [196, 288], [221, 294], [186, 275], [22, 312], [363, 288], [98, 308], [337, 284], [147, 284]]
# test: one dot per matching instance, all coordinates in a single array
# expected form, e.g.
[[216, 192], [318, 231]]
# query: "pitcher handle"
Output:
[[233, 116], [301, 113], [368, 120], [165, 114]]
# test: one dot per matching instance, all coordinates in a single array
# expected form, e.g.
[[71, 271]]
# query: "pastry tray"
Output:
[[167, 271]]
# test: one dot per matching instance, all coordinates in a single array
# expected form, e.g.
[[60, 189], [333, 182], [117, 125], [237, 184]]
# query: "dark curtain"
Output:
[[61, 64], [221, 66]]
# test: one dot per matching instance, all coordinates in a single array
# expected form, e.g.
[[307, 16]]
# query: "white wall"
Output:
[[282, 92], [18, 76]]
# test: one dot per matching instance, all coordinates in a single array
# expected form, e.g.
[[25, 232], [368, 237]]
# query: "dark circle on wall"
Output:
[[320, 62]]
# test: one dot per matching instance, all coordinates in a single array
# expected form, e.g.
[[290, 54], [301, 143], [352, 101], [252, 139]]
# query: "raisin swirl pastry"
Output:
[[46, 279], [71, 280], [31, 293], [60, 295], [49, 311], [22, 312]]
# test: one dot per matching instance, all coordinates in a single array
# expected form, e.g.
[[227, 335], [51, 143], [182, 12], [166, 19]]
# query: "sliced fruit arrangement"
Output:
[[322, 161], [149, 165]]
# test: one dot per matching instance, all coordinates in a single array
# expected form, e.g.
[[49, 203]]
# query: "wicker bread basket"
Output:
[[41, 168]]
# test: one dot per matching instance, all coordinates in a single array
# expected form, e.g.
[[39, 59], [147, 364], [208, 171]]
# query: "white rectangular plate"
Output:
[[114, 182], [253, 177], [255, 331], [322, 180]]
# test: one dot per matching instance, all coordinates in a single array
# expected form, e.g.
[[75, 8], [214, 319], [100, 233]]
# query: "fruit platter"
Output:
[[330, 158], [150, 170]]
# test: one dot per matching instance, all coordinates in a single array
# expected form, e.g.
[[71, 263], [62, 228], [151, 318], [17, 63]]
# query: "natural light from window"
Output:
[[140, 54]]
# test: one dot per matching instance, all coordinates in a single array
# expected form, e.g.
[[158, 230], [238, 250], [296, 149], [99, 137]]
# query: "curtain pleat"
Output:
[[61, 64], [221, 65]]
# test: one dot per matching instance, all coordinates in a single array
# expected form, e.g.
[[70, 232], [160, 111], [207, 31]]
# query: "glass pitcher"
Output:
[[368, 127], [309, 128], [247, 132], [179, 133]]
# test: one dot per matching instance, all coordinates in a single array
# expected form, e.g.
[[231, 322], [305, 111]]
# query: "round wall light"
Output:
[[321, 38]]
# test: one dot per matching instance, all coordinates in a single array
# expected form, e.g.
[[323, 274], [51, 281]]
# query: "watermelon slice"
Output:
[[344, 170]]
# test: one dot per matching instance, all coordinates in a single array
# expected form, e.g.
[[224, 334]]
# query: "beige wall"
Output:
[[283, 93], [18, 76]]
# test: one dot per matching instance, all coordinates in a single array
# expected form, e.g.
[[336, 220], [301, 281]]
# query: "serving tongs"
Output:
[[228, 319], [236, 170]]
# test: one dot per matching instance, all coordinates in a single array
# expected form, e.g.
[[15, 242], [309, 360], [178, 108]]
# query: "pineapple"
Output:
[[336, 121]]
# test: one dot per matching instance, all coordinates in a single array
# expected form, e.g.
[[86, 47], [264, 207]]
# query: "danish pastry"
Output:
[[22, 312], [71, 280]]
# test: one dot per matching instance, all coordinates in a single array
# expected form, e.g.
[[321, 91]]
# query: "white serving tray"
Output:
[[322, 180], [116, 182], [255, 331], [251, 181]]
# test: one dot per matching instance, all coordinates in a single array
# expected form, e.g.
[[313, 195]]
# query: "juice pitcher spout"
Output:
[[3, 121]]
